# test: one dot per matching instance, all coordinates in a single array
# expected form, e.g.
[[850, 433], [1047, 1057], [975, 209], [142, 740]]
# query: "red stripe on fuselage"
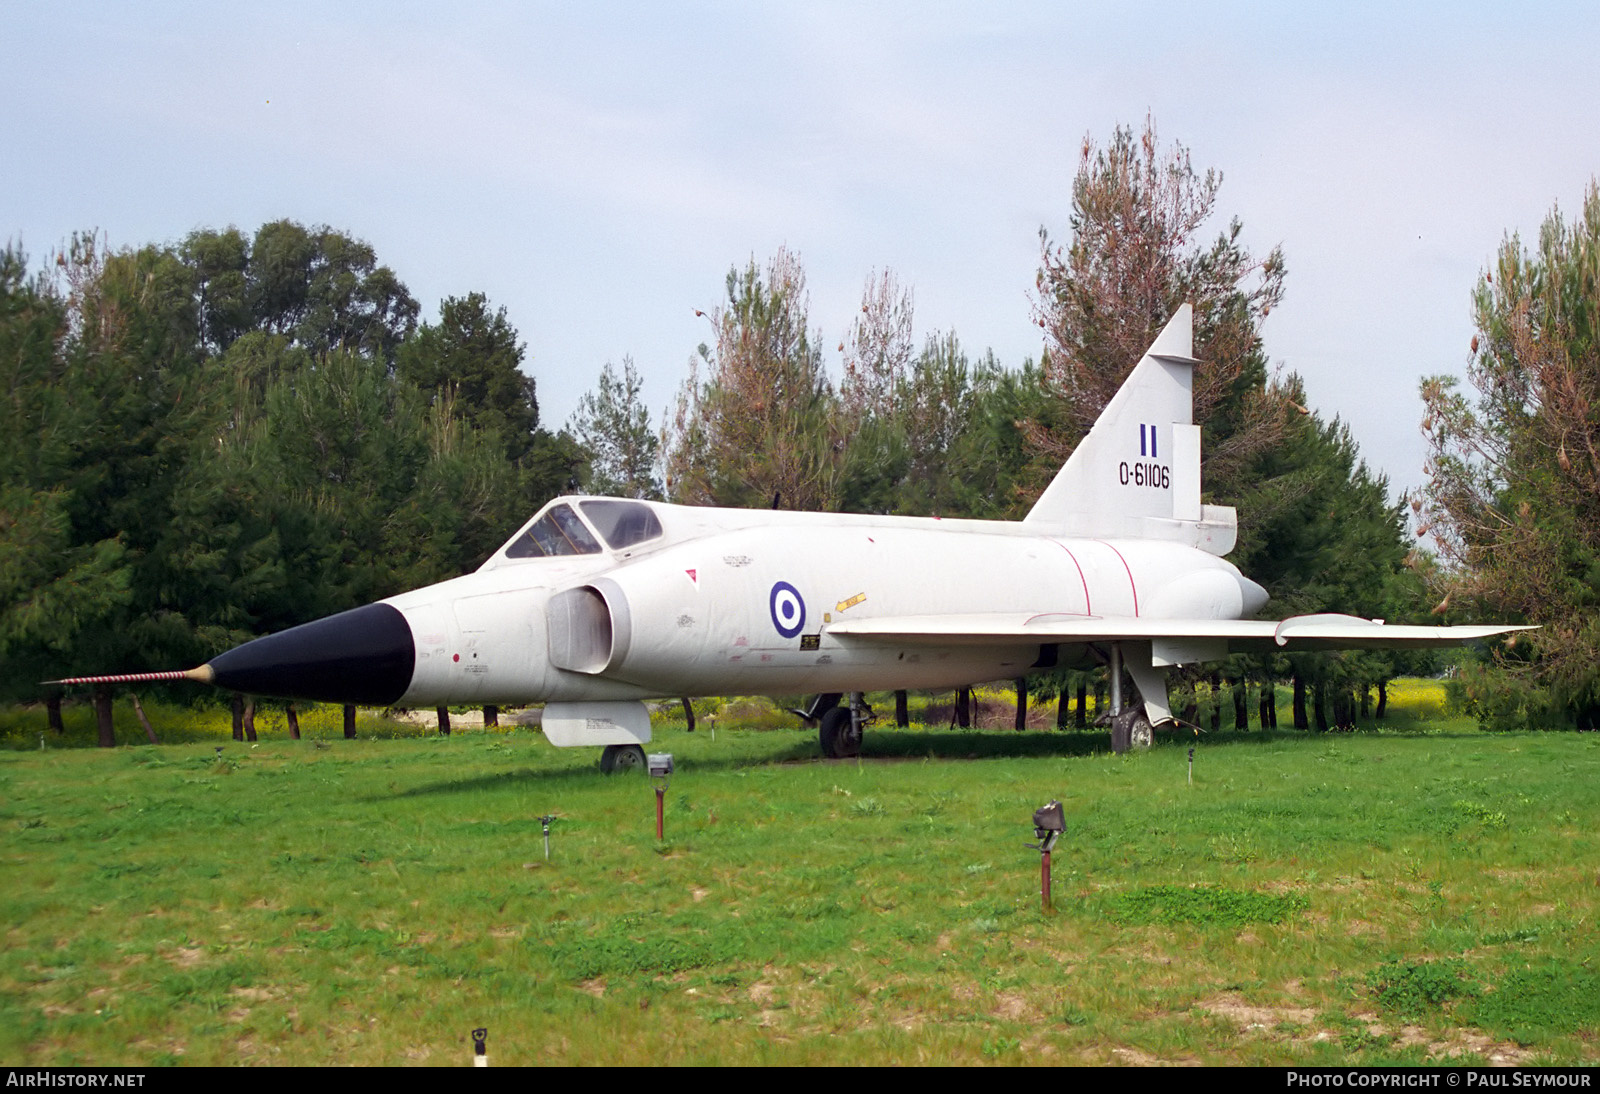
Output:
[[1088, 608], [1125, 566]]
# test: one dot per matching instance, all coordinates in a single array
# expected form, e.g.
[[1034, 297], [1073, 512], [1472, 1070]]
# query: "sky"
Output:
[[597, 169]]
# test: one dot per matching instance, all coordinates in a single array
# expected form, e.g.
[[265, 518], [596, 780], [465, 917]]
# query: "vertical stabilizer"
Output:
[[1137, 473]]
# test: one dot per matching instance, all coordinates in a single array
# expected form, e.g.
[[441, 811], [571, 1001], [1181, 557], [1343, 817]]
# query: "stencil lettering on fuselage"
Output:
[[788, 609]]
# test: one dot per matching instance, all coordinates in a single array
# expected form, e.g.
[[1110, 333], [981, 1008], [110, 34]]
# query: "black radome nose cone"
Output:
[[363, 656]]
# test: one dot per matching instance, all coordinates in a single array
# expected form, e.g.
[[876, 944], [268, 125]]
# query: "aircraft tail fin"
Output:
[[1137, 474]]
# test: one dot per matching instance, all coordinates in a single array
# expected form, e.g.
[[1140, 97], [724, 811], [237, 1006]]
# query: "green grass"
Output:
[[1366, 898]]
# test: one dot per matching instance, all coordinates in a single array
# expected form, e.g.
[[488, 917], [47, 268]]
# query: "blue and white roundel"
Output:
[[788, 610]]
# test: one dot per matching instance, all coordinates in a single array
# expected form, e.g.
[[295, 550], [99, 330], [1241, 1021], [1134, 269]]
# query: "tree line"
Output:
[[224, 437], [227, 437]]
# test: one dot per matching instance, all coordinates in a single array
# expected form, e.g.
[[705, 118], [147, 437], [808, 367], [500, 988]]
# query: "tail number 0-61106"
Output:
[[1140, 473]]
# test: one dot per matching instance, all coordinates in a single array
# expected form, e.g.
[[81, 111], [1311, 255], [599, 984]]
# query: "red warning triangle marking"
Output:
[[693, 578]]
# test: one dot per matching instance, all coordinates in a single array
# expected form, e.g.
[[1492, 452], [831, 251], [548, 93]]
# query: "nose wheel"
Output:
[[840, 728], [621, 759]]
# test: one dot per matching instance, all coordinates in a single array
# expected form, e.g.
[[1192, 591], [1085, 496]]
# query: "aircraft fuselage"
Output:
[[747, 610]]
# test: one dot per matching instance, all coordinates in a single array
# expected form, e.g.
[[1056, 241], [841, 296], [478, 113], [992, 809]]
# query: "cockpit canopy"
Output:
[[605, 522]]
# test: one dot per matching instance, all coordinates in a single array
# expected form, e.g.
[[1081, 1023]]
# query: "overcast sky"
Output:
[[595, 169]]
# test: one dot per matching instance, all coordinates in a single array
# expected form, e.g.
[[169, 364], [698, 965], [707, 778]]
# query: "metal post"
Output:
[[1044, 880], [1116, 679], [480, 1054], [1191, 765]]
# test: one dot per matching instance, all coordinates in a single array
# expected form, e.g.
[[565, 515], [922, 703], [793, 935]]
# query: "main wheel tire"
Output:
[[1131, 729], [621, 759], [1141, 734], [1119, 734], [839, 735]]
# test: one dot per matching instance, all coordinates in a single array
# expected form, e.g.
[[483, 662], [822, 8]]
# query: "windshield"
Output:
[[621, 523], [558, 532]]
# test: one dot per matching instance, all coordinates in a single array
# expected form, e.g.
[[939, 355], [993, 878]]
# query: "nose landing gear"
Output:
[[840, 729], [621, 759]]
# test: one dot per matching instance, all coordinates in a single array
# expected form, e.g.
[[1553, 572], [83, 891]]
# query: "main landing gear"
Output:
[[1131, 726]]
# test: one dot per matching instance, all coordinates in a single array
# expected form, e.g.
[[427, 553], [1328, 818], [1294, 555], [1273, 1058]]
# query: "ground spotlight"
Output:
[[659, 765], [1048, 824]]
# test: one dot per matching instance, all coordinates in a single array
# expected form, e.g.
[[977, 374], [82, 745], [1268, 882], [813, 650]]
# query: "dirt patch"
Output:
[[595, 987], [1010, 1006], [1144, 1059], [1498, 1053], [699, 894], [1459, 1042], [187, 957], [1249, 1017], [254, 995]]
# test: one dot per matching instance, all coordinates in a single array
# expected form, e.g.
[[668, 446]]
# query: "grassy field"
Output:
[[1376, 897]]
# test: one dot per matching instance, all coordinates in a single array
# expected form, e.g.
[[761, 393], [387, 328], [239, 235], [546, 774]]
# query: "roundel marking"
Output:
[[788, 610]]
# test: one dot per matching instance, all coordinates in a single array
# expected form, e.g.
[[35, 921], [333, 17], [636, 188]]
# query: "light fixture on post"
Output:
[[660, 766], [1048, 824]]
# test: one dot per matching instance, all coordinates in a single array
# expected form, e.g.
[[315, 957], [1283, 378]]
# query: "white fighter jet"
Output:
[[598, 604]]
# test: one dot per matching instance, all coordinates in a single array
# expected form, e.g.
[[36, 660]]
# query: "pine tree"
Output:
[[1514, 493], [757, 432], [612, 425]]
